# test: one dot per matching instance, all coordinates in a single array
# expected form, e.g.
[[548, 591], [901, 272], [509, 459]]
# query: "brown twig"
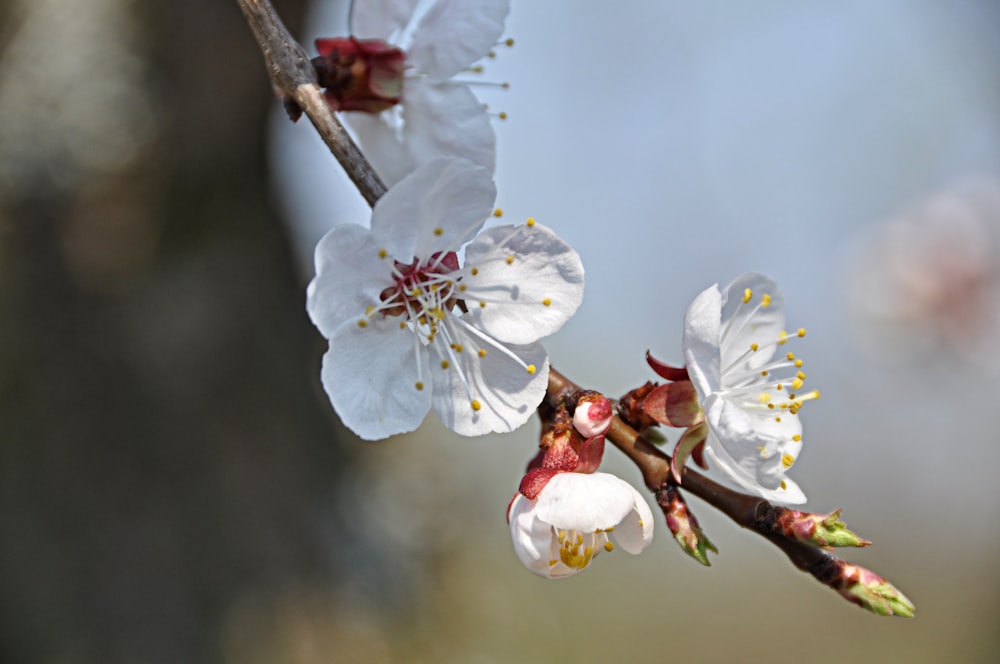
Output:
[[748, 511], [293, 75]]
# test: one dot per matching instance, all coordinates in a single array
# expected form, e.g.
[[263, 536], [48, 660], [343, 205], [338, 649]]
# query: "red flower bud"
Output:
[[360, 74]]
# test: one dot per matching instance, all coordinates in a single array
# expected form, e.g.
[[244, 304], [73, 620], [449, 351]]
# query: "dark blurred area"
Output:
[[166, 454]]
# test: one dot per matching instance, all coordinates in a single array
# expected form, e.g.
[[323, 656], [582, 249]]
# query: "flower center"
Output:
[[577, 549], [423, 293]]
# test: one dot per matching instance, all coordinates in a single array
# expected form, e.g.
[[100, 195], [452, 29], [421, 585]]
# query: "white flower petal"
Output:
[[505, 391], [737, 449], [454, 34], [746, 323], [382, 145], [586, 502], [529, 297], [532, 538], [370, 374], [440, 205], [446, 120], [379, 19], [702, 331], [349, 277]]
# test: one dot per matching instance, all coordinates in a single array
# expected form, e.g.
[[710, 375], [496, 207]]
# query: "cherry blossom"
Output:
[[560, 532], [749, 384], [411, 327], [438, 115]]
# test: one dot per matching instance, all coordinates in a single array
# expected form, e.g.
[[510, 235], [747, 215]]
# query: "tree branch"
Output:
[[293, 76]]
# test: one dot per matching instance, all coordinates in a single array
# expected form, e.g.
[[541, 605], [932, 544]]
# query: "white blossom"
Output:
[[749, 384], [410, 328], [567, 525], [439, 115]]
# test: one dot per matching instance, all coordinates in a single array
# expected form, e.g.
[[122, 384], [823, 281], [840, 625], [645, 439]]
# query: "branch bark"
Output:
[[294, 77]]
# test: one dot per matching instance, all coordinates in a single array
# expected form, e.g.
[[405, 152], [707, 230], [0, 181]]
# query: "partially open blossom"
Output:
[[563, 511], [411, 327], [568, 524], [410, 52], [749, 384]]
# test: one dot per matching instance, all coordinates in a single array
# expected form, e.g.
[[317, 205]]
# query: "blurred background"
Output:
[[174, 486]]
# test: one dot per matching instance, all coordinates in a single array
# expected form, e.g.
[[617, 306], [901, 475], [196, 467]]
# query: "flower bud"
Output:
[[593, 415], [870, 591], [684, 526], [360, 74], [822, 530]]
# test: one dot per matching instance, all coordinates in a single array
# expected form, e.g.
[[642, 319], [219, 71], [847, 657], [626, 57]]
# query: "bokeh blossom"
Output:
[[558, 533], [749, 384], [411, 327], [925, 285], [437, 115]]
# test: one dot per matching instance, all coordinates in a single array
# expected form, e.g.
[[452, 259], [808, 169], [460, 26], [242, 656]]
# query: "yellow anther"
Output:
[[498, 212], [419, 386], [502, 115], [478, 69], [474, 271], [782, 338], [765, 300], [779, 387], [457, 348], [763, 373], [783, 484], [777, 419], [362, 323], [797, 438], [531, 369], [798, 363], [510, 260], [462, 288], [747, 295], [608, 546], [369, 309], [482, 352], [801, 332], [476, 405], [438, 231], [416, 292], [797, 384], [482, 305], [547, 302], [509, 41], [505, 85], [530, 222], [771, 406], [382, 253], [790, 356], [640, 523], [552, 563], [402, 325], [801, 375], [445, 364], [764, 398], [787, 460], [754, 347]]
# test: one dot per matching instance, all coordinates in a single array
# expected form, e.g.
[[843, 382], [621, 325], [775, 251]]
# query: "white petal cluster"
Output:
[[749, 384], [560, 532], [439, 116], [411, 329]]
